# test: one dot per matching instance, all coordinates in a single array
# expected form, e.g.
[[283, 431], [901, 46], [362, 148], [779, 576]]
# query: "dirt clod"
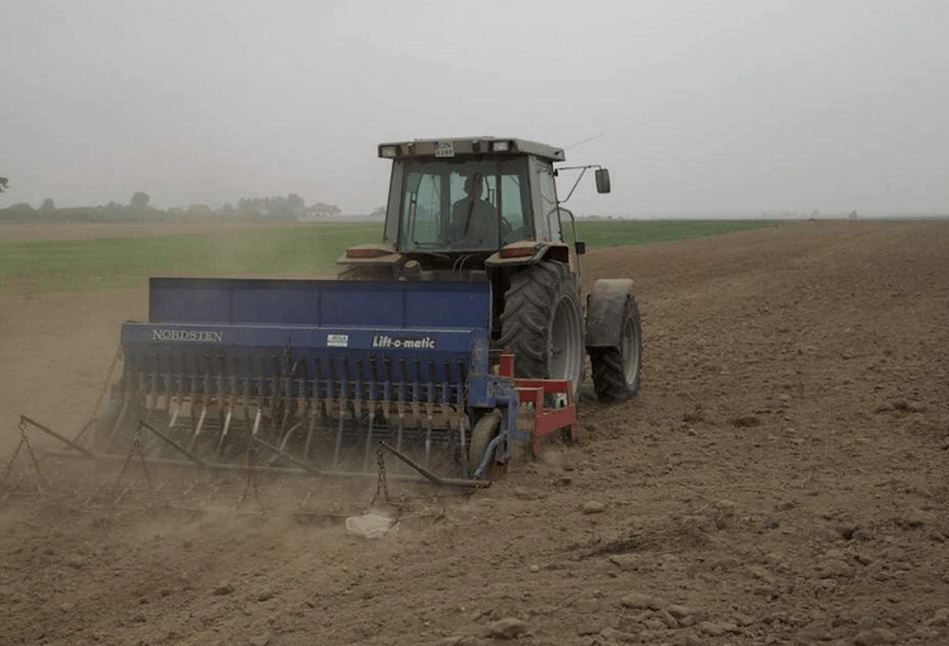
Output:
[[679, 611], [638, 600], [875, 636], [593, 507], [508, 628]]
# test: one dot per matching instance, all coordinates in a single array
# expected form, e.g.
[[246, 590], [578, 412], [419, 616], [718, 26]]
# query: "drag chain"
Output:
[[382, 485]]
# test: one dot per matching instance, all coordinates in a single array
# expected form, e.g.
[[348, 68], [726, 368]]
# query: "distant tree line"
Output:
[[138, 209]]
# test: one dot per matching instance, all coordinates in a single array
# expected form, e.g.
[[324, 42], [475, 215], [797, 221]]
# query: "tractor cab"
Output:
[[487, 210], [493, 201]]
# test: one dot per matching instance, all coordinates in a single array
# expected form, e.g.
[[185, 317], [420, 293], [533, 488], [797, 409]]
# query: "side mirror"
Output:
[[602, 180], [581, 248]]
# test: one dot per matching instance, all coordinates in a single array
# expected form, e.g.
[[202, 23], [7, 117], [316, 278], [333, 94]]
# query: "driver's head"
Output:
[[474, 184]]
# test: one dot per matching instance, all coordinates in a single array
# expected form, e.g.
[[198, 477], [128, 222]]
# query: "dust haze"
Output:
[[720, 109]]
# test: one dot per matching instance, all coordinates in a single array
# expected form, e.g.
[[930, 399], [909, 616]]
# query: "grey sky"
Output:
[[705, 107]]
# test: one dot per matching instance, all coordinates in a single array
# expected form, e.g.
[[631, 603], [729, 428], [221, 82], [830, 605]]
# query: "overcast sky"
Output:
[[721, 106]]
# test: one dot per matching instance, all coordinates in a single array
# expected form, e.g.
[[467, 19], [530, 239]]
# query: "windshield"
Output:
[[455, 205]]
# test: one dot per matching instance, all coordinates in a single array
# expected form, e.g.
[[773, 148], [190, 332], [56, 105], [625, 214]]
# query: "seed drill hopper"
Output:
[[458, 338]]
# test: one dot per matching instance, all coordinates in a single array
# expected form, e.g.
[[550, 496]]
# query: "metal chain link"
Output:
[[24, 441], [137, 445], [382, 484], [250, 484], [29, 448], [135, 448], [100, 398], [9, 468]]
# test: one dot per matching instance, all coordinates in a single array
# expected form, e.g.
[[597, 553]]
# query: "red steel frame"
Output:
[[533, 391]]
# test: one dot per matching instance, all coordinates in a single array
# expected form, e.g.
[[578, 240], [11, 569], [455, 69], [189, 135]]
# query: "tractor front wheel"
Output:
[[542, 324]]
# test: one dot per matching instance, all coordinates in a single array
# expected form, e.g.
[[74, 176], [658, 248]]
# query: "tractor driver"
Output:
[[482, 226]]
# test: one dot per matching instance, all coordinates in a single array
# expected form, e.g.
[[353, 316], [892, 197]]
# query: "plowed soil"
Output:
[[781, 479]]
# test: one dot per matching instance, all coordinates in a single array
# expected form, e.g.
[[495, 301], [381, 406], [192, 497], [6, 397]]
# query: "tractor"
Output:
[[487, 209], [457, 338]]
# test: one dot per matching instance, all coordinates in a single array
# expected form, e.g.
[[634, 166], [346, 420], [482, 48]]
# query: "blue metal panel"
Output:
[[200, 303], [449, 305], [377, 304], [288, 306], [320, 302], [419, 355], [216, 337]]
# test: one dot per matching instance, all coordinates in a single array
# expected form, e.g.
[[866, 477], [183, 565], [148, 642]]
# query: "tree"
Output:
[[199, 210], [139, 200], [321, 208], [295, 206], [227, 210], [3, 184], [48, 205], [379, 210]]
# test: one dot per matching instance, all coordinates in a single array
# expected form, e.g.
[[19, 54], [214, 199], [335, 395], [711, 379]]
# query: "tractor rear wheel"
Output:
[[616, 370], [542, 323]]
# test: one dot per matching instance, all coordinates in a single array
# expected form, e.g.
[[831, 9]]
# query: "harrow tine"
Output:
[[281, 371], [401, 403], [231, 402], [446, 410], [174, 417], [257, 417], [173, 399], [228, 416], [429, 407], [317, 404], [260, 398], [415, 386], [303, 402], [149, 380], [461, 407], [167, 379], [283, 443], [342, 412], [245, 393], [197, 430], [356, 388], [373, 403], [387, 386], [204, 403]]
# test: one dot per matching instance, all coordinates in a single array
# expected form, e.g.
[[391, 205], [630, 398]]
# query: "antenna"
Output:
[[587, 140]]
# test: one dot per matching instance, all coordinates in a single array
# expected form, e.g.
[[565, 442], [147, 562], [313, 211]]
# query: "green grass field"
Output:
[[107, 263]]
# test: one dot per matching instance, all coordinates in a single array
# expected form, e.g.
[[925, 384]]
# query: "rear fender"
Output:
[[537, 251], [370, 254], [605, 305]]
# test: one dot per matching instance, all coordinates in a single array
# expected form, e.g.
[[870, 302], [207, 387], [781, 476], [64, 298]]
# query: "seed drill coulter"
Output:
[[458, 338]]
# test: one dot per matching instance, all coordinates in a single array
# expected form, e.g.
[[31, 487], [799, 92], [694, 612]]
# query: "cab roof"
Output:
[[462, 146]]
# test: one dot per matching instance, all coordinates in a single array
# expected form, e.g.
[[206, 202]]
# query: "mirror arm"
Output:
[[577, 183]]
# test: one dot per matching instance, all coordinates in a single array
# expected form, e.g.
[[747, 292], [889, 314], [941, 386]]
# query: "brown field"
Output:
[[783, 478]]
